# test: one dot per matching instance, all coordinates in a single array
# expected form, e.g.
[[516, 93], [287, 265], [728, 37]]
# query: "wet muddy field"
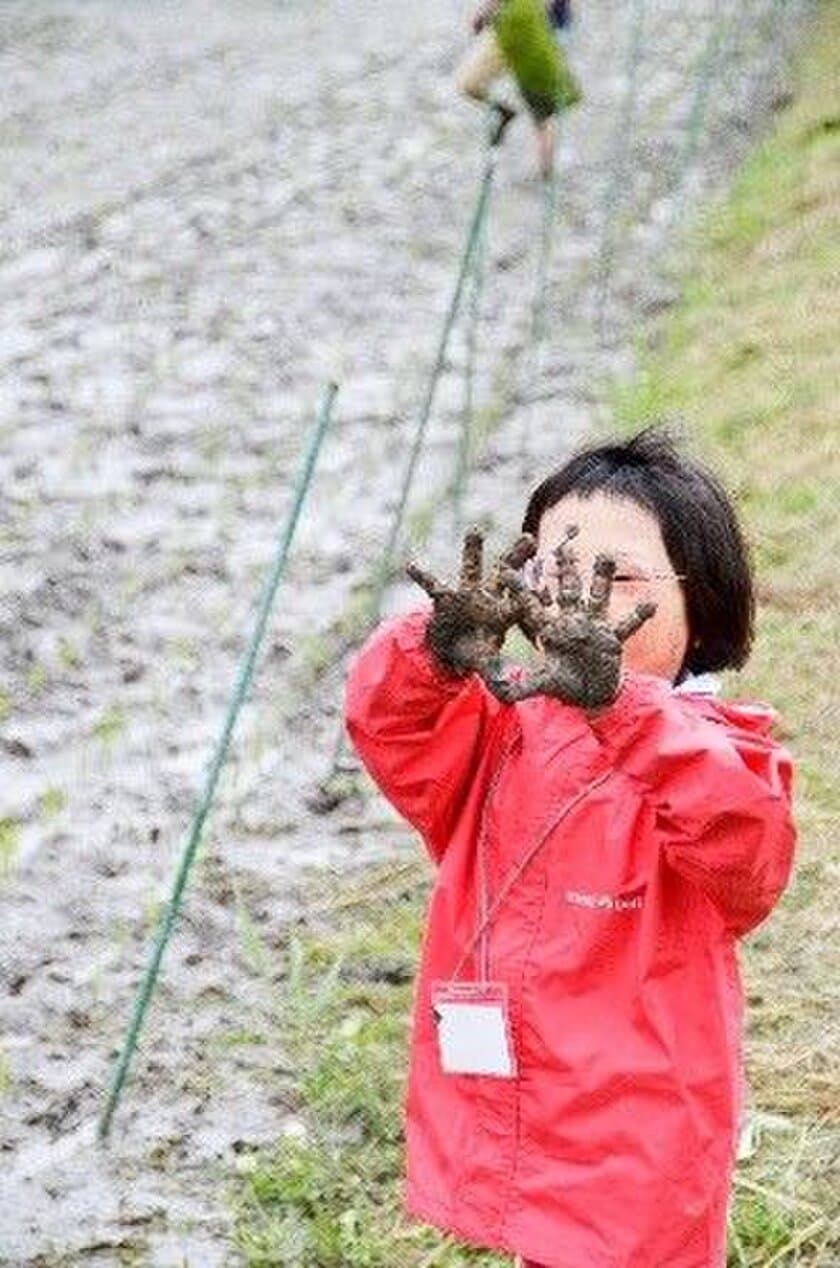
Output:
[[207, 211]]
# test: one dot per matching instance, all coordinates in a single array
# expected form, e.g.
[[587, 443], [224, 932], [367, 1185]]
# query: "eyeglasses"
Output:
[[538, 572]]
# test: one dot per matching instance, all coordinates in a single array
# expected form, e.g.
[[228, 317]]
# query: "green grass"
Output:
[[9, 845], [53, 801], [330, 1195], [5, 1074], [749, 362], [68, 655], [108, 728], [183, 649], [36, 679]]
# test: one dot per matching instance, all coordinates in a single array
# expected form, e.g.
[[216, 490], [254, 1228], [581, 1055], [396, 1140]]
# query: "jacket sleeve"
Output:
[[420, 731], [722, 792]]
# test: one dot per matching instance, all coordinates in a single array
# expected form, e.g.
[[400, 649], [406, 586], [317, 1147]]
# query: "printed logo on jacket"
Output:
[[630, 900]]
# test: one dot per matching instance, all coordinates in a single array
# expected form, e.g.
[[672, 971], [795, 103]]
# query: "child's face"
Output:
[[629, 533]]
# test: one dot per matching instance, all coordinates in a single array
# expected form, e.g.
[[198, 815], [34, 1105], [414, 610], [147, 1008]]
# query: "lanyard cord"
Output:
[[482, 862], [487, 916]]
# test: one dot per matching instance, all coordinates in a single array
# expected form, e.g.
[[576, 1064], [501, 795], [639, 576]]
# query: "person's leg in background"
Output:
[[546, 140], [481, 66], [543, 116]]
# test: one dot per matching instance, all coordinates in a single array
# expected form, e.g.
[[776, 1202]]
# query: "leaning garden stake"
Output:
[[619, 162], [243, 682], [325, 798]]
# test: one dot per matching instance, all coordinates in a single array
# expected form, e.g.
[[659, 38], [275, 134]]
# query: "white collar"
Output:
[[700, 684]]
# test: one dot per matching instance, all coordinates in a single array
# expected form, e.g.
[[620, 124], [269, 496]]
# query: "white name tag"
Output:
[[473, 1028]]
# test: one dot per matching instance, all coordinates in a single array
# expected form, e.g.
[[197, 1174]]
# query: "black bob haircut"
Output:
[[699, 527]]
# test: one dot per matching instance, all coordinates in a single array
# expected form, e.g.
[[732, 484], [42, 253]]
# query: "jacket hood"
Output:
[[747, 715]]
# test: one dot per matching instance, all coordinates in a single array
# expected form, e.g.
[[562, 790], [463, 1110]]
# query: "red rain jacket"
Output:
[[668, 835]]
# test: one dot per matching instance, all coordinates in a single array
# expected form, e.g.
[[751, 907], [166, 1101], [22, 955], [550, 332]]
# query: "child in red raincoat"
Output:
[[605, 828]]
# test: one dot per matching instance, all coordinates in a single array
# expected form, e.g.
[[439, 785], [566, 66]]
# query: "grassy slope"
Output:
[[750, 361], [750, 365]]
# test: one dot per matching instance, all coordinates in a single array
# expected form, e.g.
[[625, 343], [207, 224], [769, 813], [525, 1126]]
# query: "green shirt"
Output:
[[534, 57]]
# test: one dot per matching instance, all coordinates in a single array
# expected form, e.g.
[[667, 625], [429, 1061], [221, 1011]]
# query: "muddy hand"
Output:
[[470, 621], [582, 650]]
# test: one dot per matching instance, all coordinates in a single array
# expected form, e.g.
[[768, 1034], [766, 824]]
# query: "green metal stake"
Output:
[[723, 31], [546, 241], [454, 304], [243, 682], [621, 144], [462, 464], [697, 113], [535, 351], [385, 564]]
